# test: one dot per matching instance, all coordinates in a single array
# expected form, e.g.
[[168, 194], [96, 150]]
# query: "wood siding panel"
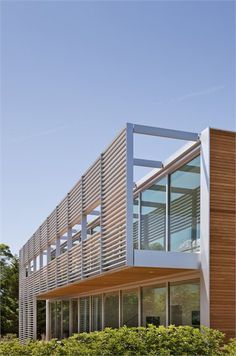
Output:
[[222, 232]]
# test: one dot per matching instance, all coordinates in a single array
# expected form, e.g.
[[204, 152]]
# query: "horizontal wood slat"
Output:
[[222, 232]]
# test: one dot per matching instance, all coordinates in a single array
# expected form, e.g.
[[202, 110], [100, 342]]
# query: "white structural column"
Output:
[[129, 195], [34, 318], [205, 228], [47, 320]]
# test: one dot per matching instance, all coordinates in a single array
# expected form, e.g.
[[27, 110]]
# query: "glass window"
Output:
[[97, 312], [31, 266], [41, 319], [26, 271], [154, 305], [153, 216], [65, 318], [84, 314], [130, 308], [55, 319], [111, 312], [185, 207], [37, 263], [74, 316], [135, 222], [185, 303]]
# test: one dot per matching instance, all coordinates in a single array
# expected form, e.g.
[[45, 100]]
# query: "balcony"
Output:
[[107, 231]]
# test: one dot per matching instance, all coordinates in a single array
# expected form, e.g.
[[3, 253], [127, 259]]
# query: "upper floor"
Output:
[[107, 221]]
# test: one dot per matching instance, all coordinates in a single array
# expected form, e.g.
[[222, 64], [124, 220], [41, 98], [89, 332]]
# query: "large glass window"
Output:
[[154, 305], [153, 216], [96, 313], [185, 207], [84, 314], [130, 308], [55, 308], [185, 303], [41, 319], [65, 318], [111, 312], [74, 316]]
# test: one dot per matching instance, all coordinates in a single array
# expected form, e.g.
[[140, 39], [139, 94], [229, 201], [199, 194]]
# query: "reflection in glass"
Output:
[[185, 303], [65, 318], [185, 207], [74, 316], [135, 222], [153, 216], [55, 312], [130, 308], [96, 313], [111, 310], [154, 305], [84, 314]]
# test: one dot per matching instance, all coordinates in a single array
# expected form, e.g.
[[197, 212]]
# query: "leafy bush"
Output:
[[182, 340], [230, 348]]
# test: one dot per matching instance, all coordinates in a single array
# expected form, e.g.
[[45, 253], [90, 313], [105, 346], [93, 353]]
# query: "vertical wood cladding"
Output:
[[222, 232]]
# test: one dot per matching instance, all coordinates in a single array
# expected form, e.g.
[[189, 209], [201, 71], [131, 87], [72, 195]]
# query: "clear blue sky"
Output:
[[73, 73]]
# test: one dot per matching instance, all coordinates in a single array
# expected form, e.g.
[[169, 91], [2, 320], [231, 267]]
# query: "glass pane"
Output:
[[185, 207], [52, 319], [130, 308], [185, 303], [111, 310], [65, 320], [41, 319], [154, 305], [153, 216], [97, 312], [74, 316], [55, 308], [84, 314], [135, 222]]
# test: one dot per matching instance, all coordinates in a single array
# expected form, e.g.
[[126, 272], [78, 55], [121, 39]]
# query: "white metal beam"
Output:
[[157, 131], [163, 259], [147, 163]]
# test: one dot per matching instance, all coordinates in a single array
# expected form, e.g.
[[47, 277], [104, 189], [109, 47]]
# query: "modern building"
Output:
[[117, 252]]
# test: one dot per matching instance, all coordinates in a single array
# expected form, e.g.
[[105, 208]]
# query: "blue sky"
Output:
[[73, 73]]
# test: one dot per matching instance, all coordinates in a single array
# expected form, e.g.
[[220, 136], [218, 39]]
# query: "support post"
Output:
[[129, 195], [205, 228], [34, 318], [47, 320]]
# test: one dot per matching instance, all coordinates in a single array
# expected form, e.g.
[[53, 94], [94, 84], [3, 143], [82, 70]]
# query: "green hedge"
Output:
[[182, 340]]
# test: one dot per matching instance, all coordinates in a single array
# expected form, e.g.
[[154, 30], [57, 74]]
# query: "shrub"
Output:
[[163, 341], [230, 348]]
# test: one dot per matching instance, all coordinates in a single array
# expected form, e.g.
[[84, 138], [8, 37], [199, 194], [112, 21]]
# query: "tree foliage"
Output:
[[9, 277]]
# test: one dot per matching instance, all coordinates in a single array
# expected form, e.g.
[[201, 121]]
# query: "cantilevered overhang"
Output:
[[124, 276]]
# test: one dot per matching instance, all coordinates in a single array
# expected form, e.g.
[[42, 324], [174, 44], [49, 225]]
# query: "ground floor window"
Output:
[[130, 308], [56, 319], [154, 305], [111, 310], [84, 314], [74, 316], [175, 303], [185, 303], [96, 312]]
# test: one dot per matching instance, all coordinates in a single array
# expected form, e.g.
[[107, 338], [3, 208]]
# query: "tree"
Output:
[[9, 289]]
